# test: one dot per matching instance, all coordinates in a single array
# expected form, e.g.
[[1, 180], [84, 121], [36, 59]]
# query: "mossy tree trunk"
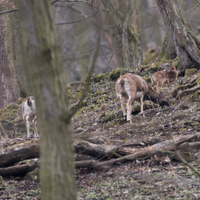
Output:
[[186, 45], [122, 17], [168, 50], [43, 59]]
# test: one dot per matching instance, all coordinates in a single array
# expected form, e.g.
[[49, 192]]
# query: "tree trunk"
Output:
[[48, 83], [168, 51], [122, 17], [186, 45], [9, 91], [134, 44]]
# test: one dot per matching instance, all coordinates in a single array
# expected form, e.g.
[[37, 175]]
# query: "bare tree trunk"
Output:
[[186, 45], [9, 91], [48, 83]]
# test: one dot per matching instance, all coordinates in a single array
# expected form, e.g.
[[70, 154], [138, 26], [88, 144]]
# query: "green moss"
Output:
[[144, 77], [112, 124], [98, 78], [78, 93], [6, 116], [196, 95], [108, 118], [175, 63], [81, 110], [23, 93], [105, 98], [150, 55], [12, 106], [198, 80], [115, 74], [175, 91], [84, 104], [189, 72], [19, 101], [73, 84], [102, 115], [155, 69], [136, 109]]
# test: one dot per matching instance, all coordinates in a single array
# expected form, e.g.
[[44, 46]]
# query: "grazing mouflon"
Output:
[[132, 87], [28, 110]]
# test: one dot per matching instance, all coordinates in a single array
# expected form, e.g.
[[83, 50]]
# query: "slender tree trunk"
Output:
[[43, 58], [186, 45]]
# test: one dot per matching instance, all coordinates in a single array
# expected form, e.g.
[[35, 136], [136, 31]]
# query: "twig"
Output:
[[77, 20], [186, 163], [109, 62], [190, 9], [175, 108], [8, 11]]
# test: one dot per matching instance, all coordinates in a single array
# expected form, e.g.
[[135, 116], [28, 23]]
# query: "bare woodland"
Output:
[[68, 55]]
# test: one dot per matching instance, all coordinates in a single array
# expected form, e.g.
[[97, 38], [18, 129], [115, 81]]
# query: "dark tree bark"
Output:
[[48, 83], [9, 90], [186, 45]]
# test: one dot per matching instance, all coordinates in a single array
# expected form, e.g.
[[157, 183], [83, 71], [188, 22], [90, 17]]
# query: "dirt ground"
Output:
[[149, 178]]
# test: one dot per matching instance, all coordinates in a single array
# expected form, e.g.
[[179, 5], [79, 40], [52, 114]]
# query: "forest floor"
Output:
[[149, 178]]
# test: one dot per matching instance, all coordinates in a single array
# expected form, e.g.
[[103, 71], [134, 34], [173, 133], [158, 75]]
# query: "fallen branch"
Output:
[[99, 151], [168, 145]]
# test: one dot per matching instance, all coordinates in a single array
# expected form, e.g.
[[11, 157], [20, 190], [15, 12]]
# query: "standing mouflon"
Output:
[[168, 75], [28, 110]]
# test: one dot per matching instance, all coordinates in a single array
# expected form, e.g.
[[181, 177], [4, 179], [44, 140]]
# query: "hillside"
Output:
[[157, 177], [100, 122]]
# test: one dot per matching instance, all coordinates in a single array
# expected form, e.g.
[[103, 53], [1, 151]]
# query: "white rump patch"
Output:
[[138, 95]]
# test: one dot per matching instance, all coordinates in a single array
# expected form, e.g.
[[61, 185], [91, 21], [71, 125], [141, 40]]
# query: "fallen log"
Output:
[[30, 149], [13, 154], [98, 151], [19, 170], [168, 145]]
